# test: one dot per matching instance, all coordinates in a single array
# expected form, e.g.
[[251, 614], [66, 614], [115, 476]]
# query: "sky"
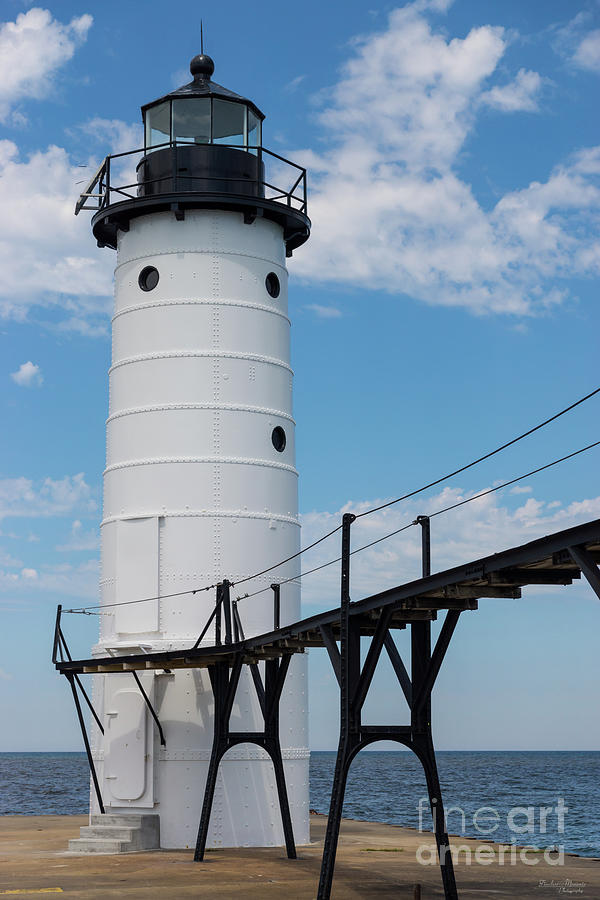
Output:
[[447, 301]]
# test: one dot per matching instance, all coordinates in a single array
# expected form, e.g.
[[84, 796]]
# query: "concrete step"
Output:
[[96, 845], [129, 820], [118, 833], [109, 832]]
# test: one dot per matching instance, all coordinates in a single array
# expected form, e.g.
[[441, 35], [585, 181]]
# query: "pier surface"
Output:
[[373, 860]]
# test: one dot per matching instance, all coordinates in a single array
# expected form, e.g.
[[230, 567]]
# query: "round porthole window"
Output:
[[148, 278], [272, 284], [278, 438]]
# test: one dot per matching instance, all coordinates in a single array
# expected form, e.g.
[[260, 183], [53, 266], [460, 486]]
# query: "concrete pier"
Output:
[[373, 861]]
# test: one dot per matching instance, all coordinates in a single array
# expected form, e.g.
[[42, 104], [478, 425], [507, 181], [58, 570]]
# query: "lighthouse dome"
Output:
[[202, 66], [202, 112]]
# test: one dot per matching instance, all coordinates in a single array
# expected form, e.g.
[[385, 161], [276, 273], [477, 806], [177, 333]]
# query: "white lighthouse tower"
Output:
[[200, 482]]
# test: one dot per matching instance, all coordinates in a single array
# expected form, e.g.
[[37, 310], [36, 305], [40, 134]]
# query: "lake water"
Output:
[[386, 787]]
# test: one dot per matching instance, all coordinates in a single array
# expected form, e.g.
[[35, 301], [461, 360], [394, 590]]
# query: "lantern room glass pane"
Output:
[[253, 131], [229, 121], [191, 121], [158, 125]]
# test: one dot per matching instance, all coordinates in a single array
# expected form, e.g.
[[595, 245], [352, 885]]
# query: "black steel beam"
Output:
[[399, 667], [150, 707], [206, 627], [588, 566], [56, 643], [258, 686], [370, 663], [62, 643], [276, 588], [394, 732], [420, 663], [332, 649], [535, 553], [425, 524], [86, 742], [437, 657], [472, 592], [274, 694], [232, 687], [224, 690], [523, 577], [238, 632], [349, 724], [220, 684], [227, 611], [89, 703], [246, 737]]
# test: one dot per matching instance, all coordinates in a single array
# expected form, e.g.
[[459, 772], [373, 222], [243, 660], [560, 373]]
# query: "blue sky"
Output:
[[447, 300]]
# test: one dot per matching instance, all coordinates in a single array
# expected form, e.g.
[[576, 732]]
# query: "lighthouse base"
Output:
[[138, 776], [245, 809]]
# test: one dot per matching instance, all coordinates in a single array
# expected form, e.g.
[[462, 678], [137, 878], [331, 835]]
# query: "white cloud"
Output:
[[484, 526], [294, 84], [28, 375], [80, 581], [521, 489], [180, 76], [410, 91], [46, 253], [519, 95], [441, 6], [114, 134], [80, 539], [587, 54], [20, 497], [324, 312], [5, 676], [389, 209], [32, 49], [9, 561]]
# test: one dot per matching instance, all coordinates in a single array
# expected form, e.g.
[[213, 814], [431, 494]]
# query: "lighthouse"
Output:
[[200, 484]]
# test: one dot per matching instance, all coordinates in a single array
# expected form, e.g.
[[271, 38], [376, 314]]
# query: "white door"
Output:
[[128, 742]]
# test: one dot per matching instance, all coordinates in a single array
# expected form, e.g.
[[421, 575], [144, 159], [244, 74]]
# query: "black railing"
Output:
[[108, 187]]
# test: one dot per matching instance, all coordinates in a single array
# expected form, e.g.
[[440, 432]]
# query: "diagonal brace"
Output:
[[399, 667], [150, 707], [86, 742], [276, 689], [89, 702], [232, 688], [238, 633], [56, 645], [437, 657], [61, 643], [259, 687], [373, 654], [332, 649], [587, 564]]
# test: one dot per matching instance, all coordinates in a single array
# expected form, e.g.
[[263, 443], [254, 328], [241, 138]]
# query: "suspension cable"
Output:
[[481, 458], [432, 515], [87, 609]]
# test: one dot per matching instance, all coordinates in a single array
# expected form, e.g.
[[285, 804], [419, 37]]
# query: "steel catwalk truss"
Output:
[[556, 559]]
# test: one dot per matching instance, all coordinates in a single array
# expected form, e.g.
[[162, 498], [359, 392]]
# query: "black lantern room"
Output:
[[202, 149], [202, 112]]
